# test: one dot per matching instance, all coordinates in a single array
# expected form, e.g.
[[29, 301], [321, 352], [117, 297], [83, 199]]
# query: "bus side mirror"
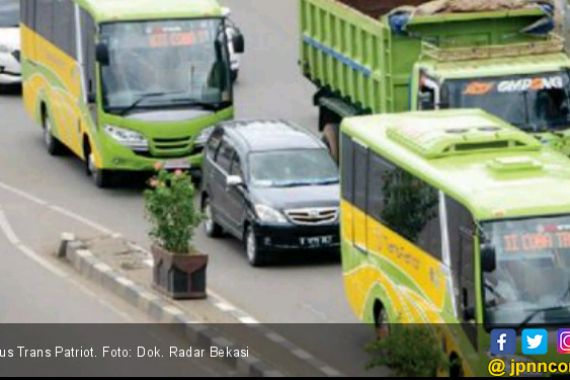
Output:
[[102, 54], [488, 258], [239, 43]]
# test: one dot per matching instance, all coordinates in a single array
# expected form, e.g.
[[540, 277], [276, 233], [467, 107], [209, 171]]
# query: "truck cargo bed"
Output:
[[377, 8]]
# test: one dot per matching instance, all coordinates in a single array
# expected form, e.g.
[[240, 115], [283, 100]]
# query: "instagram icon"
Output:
[[564, 341]]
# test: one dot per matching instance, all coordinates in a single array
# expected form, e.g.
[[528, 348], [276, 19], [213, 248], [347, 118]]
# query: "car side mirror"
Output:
[[239, 43], [234, 181], [102, 54], [488, 258]]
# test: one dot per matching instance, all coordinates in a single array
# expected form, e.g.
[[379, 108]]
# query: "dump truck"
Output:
[[385, 56]]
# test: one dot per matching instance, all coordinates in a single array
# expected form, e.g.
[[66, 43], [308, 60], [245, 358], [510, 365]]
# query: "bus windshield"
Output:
[[9, 13], [531, 282], [173, 63], [536, 103]]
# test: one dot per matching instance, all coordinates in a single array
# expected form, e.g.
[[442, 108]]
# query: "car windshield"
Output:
[[531, 282], [535, 103], [9, 13], [299, 167], [165, 63]]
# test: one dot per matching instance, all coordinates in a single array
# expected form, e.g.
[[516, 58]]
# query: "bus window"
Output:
[[347, 187]]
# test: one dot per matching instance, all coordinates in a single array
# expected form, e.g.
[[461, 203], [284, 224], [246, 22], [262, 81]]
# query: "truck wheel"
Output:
[[255, 255], [53, 146], [330, 138], [211, 228], [101, 178]]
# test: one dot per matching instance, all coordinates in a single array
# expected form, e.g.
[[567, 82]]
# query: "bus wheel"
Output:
[[381, 322], [455, 366], [102, 178], [330, 138], [53, 146]]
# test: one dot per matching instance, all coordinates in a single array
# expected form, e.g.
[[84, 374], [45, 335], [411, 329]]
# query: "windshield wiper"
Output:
[[199, 103], [535, 312], [142, 98]]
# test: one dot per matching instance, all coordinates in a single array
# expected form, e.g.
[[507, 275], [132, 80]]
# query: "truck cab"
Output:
[[531, 93]]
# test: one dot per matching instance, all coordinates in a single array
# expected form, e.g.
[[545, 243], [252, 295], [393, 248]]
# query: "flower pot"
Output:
[[179, 276]]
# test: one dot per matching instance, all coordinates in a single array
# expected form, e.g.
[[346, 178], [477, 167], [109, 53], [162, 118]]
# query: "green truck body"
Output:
[[361, 65]]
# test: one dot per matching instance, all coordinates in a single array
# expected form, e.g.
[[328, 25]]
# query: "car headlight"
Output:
[[269, 215], [203, 136], [128, 138]]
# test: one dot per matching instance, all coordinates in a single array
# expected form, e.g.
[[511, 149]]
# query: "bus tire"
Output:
[[330, 139], [53, 146], [381, 325], [101, 178], [255, 255], [455, 366]]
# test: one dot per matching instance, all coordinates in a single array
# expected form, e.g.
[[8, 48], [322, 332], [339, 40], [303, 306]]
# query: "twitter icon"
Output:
[[534, 341]]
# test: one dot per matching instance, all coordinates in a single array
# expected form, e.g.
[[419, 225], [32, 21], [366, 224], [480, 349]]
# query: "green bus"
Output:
[[457, 219], [125, 85]]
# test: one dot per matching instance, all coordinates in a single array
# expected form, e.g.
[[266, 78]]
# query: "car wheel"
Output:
[[234, 75], [53, 146], [211, 228], [255, 255], [101, 178]]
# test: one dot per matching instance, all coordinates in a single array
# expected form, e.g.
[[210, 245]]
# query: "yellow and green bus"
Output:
[[457, 219], [126, 84]]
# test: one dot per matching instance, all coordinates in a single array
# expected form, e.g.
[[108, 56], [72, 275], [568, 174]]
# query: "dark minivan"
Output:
[[272, 185]]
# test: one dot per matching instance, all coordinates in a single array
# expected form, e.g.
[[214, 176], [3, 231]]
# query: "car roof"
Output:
[[267, 135]]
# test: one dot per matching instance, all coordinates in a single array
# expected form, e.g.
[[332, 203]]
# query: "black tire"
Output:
[[53, 146], [211, 228], [103, 179], [381, 325], [234, 75], [255, 255]]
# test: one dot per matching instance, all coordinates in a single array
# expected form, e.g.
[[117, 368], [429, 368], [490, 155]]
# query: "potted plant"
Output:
[[409, 350], [179, 270]]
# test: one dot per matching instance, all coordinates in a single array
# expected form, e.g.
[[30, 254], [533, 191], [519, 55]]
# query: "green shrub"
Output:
[[169, 206], [410, 351]]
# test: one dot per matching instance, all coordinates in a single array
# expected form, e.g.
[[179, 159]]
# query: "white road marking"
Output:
[[15, 241], [38, 258]]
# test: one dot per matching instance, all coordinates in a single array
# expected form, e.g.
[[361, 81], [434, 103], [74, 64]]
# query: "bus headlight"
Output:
[[130, 139], [203, 136], [269, 215]]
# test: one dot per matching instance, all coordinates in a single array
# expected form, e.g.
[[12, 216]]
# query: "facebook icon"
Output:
[[503, 342]]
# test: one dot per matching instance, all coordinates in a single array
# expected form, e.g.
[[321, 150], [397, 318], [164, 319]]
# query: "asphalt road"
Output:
[[299, 289]]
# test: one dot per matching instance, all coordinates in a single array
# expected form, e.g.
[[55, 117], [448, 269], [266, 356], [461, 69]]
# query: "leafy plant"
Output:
[[410, 351], [169, 206]]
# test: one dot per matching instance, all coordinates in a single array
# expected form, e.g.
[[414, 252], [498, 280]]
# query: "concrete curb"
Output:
[[86, 264]]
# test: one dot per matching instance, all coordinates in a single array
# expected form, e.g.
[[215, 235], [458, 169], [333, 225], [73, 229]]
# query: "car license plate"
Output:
[[182, 164], [316, 241]]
